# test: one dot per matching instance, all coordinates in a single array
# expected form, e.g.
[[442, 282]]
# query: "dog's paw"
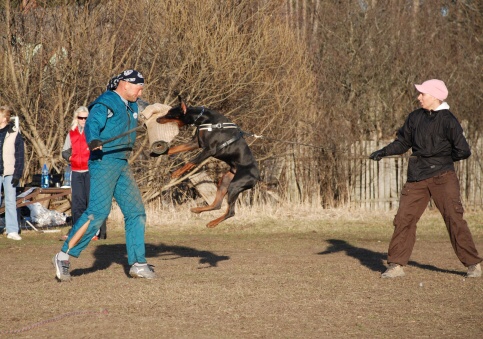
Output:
[[197, 210], [215, 222]]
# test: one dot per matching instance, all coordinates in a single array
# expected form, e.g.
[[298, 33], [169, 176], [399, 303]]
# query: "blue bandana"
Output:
[[131, 75]]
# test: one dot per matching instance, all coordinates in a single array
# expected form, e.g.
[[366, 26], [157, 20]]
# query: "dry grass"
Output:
[[269, 273], [280, 218]]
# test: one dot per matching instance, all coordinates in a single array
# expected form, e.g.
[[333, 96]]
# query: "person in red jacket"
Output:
[[76, 151]]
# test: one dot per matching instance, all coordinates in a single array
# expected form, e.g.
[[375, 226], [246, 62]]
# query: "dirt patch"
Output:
[[232, 284]]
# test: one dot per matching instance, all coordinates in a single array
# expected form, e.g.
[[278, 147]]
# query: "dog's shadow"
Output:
[[374, 260], [106, 255]]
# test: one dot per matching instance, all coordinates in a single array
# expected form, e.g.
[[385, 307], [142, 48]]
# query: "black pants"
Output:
[[81, 184]]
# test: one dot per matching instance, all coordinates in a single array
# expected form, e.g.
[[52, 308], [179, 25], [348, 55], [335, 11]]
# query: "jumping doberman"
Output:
[[223, 140]]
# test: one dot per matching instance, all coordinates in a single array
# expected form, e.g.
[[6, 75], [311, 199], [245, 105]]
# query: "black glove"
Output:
[[15, 181], [378, 155], [94, 144]]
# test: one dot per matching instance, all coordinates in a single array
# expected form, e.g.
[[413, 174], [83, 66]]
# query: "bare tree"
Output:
[[238, 57], [314, 72]]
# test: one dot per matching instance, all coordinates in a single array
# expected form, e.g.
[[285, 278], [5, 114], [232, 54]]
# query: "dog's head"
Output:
[[177, 114]]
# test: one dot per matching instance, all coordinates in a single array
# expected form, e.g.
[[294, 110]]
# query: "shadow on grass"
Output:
[[106, 255], [374, 260]]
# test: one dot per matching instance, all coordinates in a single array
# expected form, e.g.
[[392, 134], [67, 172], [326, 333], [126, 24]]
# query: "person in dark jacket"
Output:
[[437, 141], [11, 170]]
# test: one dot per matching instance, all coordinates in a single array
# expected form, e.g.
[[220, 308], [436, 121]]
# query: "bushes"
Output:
[[316, 72]]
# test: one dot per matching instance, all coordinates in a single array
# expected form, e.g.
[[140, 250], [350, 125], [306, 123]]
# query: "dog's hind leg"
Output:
[[240, 183], [230, 211], [220, 194]]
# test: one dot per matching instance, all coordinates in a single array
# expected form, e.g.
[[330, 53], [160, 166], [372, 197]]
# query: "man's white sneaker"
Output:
[[61, 268], [474, 271], [142, 271], [393, 271], [14, 236]]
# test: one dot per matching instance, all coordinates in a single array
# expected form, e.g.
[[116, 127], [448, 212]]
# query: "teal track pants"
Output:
[[110, 178]]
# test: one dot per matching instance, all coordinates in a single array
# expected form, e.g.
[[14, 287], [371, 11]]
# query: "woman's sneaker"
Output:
[[474, 271], [14, 236], [61, 268], [393, 271], [142, 271]]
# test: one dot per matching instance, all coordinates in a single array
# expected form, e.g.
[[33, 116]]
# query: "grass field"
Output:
[[263, 274]]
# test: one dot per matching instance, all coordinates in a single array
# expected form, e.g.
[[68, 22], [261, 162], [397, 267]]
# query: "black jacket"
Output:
[[436, 139]]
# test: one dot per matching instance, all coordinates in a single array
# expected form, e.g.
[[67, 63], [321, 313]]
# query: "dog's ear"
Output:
[[183, 106]]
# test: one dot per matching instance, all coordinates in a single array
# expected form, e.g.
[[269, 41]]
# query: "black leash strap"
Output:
[[229, 141]]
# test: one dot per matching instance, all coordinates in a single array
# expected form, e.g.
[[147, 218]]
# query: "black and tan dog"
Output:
[[223, 140]]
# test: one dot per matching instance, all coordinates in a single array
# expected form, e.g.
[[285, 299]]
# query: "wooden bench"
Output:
[[45, 195]]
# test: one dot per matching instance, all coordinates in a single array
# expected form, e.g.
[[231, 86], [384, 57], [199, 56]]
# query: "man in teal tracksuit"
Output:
[[112, 113]]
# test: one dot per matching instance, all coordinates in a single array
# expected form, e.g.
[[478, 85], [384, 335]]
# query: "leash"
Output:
[[284, 141], [228, 125], [47, 321]]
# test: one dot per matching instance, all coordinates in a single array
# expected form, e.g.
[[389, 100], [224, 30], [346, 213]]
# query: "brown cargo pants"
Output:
[[445, 191]]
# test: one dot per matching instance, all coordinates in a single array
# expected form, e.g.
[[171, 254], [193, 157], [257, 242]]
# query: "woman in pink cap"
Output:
[[437, 141]]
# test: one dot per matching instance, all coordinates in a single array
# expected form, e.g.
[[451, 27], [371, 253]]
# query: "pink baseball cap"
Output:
[[433, 87]]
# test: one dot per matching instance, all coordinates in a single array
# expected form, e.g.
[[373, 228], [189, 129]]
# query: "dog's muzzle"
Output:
[[159, 135]]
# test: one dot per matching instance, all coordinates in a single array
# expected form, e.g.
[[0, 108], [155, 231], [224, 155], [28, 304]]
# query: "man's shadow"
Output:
[[106, 255], [374, 260]]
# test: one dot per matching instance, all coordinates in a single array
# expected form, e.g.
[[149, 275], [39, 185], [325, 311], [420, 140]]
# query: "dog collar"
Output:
[[199, 115]]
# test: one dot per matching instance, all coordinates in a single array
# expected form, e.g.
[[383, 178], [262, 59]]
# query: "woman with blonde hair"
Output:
[[76, 151], [11, 169]]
